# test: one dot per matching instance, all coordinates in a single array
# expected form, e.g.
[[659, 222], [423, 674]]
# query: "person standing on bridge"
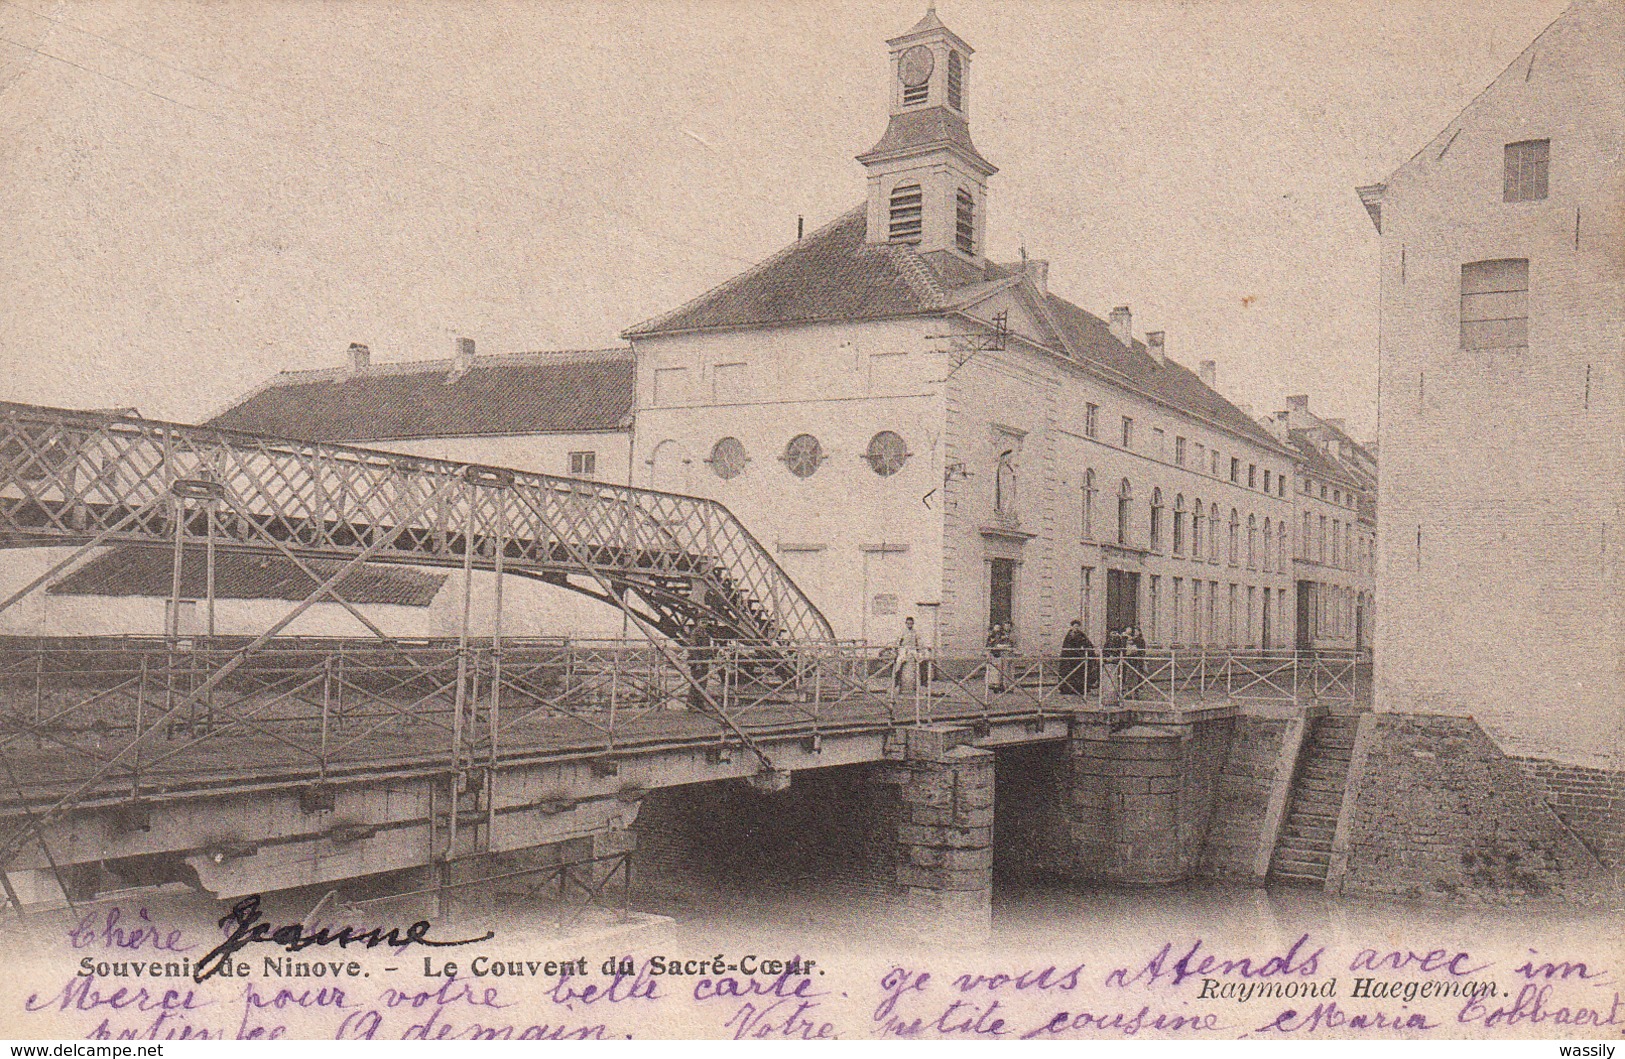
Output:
[[1133, 662], [906, 666], [1077, 660]]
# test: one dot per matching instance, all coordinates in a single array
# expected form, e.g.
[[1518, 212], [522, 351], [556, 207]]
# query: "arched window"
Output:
[[1196, 529], [803, 455], [1252, 542], [727, 458], [886, 453], [965, 222], [1004, 483], [1235, 537], [1280, 544], [956, 81], [907, 213], [1125, 497], [1089, 503], [1156, 518], [1269, 542], [1306, 543], [1213, 532], [1179, 523]]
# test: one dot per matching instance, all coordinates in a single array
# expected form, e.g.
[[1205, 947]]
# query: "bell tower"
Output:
[[927, 181]]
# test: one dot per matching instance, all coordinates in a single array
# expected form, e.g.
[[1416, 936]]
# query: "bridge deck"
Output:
[[112, 720]]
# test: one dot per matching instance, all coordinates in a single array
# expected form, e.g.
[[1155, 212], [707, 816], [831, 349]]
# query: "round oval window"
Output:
[[728, 458], [803, 455], [887, 453]]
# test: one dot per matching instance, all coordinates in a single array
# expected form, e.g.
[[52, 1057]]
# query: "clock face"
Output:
[[916, 66]]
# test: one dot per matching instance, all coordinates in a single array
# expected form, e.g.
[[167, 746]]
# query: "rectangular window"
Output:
[[1159, 442], [1230, 618], [1252, 626], [1177, 626], [1266, 479], [1525, 176], [1214, 470], [727, 382], [1235, 469], [1320, 542], [1091, 420], [1280, 485], [1152, 605], [1128, 433], [1179, 532], [1086, 601], [1201, 457], [1337, 537], [907, 212], [1495, 304], [1252, 476], [671, 386], [583, 464], [1179, 451]]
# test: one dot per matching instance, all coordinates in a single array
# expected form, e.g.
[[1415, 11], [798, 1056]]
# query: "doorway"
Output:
[[1001, 592], [1122, 599]]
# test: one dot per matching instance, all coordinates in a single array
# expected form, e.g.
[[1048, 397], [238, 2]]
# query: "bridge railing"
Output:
[[321, 709]]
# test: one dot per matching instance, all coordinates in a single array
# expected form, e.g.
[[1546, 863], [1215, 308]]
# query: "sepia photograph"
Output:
[[695, 519]]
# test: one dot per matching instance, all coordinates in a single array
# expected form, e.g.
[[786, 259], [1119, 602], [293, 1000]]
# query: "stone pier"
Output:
[[940, 817], [1141, 796]]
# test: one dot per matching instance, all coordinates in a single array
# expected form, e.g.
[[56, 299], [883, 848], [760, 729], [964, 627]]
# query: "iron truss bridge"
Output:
[[272, 760]]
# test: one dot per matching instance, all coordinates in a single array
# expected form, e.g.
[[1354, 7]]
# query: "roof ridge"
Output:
[[918, 274], [654, 322]]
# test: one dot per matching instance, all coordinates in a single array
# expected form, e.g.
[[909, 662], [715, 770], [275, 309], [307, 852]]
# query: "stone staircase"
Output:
[[1303, 851]]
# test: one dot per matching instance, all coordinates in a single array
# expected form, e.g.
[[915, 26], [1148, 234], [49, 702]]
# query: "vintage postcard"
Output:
[[863, 520]]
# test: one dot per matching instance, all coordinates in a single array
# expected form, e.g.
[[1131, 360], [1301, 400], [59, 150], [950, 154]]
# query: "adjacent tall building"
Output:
[[1503, 317]]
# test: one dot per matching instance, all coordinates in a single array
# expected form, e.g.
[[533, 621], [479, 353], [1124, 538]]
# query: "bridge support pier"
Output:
[[941, 820], [1141, 797]]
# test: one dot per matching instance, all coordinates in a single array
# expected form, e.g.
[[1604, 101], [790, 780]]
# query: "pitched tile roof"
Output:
[[522, 393], [833, 274], [128, 570], [1320, 465], [836, 275], [1091, 339]]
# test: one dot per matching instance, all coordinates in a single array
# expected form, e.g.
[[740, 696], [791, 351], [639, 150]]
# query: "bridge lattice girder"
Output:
[[76, 478]]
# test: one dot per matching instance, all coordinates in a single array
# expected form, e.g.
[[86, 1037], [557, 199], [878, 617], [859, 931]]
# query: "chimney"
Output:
[[360, 357], [1123, 325], [1210, 374], [1298, 403], [1038, 271], [462, 357], [1154, 345]]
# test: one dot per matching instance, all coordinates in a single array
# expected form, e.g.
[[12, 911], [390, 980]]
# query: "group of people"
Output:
[[1081, 665]]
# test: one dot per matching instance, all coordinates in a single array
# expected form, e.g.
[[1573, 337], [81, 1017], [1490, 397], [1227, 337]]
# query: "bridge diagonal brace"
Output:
[[288, 554], [648, 630], [36, 824]]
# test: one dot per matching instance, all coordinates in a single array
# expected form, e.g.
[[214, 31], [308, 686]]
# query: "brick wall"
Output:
[[1440, 812], [1241, 803], [1590, 801]]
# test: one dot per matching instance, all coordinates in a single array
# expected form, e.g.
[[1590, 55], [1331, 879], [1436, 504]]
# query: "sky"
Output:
[[194, 196]]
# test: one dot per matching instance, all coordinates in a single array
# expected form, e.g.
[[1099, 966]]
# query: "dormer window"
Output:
[[956, 81], [906, 213], [965, 222]]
